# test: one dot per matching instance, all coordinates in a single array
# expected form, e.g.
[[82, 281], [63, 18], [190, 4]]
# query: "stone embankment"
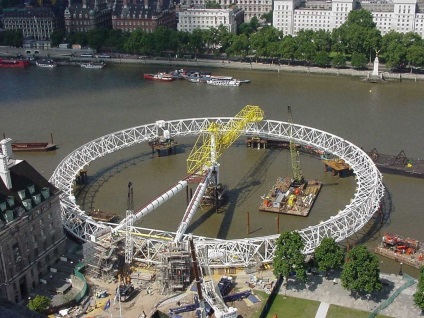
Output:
[[218, 63]]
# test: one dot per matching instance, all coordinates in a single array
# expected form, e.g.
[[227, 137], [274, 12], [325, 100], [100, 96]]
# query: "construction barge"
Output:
[[287, 198], [399, 164], [403, 250]]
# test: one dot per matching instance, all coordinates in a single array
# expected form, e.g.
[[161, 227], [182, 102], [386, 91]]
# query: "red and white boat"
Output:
[[13, 63], [159, 77]]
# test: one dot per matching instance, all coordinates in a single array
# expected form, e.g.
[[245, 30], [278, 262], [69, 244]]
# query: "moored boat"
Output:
[[222, 81], [46, 63], [6, 63], [33, 146], [96, 66], [159, 77]]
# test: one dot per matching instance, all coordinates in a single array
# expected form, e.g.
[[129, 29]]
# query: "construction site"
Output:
[[118, 256], [292, 195]]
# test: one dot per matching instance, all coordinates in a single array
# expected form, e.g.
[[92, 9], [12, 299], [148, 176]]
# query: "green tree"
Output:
[[267, 17], [288, 256], [39, 303], [339, 61], [359, 33], [57, 37], [288, 48], [358, 60], [322, 59], [254, 23], [361, 273], [212, 5], [329, 255], [419, 293]]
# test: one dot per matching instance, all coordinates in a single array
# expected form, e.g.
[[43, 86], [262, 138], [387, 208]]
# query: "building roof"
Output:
[[29, 12], [138, 9], [23, 176]]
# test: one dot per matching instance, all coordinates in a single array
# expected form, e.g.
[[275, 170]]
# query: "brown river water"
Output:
[[78, 105]]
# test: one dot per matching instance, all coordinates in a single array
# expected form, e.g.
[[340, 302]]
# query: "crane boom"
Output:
[[218, 137], [295, 158]]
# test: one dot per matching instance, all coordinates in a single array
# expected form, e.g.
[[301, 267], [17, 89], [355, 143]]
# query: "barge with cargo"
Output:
[[287, 197], [403, 250]]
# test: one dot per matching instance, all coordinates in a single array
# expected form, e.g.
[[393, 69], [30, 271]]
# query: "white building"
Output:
[[291, 16], [204, 19], [251, 8]]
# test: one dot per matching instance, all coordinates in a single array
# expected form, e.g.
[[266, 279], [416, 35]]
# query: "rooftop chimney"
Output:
[[4, 172], [6, 148]]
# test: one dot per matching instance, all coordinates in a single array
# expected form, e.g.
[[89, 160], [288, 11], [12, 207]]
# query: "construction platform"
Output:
[[399, 164], [338, 167], [285, 198], [403, 250], [163, 146], [259, 143]]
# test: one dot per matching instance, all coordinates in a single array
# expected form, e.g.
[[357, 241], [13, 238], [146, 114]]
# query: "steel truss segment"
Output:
[[149, 243]]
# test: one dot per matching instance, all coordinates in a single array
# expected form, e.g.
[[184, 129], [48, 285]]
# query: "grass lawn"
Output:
[[290, 307], [342, 312]]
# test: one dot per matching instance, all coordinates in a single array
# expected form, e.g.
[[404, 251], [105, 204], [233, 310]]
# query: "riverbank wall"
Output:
[[228, 64]]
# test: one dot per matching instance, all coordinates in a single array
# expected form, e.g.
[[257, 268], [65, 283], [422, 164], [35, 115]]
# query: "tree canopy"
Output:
[[419, 293], [288, 257], [328, 255], [39, 303], [361, 272]]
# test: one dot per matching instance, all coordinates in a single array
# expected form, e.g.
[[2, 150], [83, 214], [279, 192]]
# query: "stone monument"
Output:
[[375, 69]]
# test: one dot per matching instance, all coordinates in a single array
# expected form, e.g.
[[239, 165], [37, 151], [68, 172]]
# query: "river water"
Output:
[[78, 105]]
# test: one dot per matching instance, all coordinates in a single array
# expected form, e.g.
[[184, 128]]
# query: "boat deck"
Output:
[[285, 199], [33, 146]]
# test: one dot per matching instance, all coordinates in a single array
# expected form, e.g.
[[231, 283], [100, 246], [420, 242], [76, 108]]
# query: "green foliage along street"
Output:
[[355, 43], [419, 293], [328, 255], [361, 272], [288, 259]]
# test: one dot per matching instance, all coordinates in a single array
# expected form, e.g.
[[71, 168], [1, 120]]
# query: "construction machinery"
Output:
[[294, 154]]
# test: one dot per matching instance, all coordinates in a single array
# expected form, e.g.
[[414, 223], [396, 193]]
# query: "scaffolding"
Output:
[[174, 272], [100, 261]]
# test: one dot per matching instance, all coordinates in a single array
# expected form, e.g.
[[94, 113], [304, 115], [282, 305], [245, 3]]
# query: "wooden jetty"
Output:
[[284, 198], [259, 143], [403, 250], [338, 167], [167, 146], [400, 164]]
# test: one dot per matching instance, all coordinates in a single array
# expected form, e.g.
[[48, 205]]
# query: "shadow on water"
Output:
[[86, 193], [255, 176], [372, 230]]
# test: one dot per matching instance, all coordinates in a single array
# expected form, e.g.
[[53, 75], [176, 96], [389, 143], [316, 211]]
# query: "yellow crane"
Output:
[[218, 137]]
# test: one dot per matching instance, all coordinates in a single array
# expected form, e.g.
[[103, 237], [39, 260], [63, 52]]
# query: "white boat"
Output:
[[93, 65], [223, 81], [46, 63]]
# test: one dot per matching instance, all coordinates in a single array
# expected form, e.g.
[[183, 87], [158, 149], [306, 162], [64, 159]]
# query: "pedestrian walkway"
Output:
[[322, 310]]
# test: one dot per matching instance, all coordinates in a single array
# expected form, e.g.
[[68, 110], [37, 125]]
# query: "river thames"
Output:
[[78, 105]]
